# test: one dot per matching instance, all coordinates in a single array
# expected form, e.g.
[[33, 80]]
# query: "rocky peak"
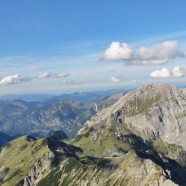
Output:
[[152, 111]]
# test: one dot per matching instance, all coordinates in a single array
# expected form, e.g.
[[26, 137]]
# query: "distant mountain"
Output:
[[27, 97], [38, 118], [17, 118], [84, 97], [108, 93], [12, 108]]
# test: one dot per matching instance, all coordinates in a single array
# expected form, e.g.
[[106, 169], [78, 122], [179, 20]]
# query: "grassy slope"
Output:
[[19, 156], [133, 166]]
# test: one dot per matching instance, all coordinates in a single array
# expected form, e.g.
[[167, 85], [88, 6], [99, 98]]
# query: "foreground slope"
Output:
[[129, 143], [46, 162]]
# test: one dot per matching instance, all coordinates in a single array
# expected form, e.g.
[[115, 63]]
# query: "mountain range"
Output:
[[82, 97], [38, 118], [138, 140]]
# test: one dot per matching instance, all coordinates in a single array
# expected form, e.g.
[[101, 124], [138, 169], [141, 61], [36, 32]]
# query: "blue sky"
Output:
[[64, 46]]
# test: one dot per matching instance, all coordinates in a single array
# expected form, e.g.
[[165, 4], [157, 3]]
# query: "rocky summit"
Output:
[[138, 141], [155, 111]]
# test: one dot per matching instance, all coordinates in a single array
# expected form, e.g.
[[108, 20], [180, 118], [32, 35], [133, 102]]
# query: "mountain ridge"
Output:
[[123, 144], [128, 104]]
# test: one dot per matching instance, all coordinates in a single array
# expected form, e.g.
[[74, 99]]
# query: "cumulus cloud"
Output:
[[44, 75], [164, 73], [117, 51], [115, 79], [156, 54], [13, 79], [177, 72]]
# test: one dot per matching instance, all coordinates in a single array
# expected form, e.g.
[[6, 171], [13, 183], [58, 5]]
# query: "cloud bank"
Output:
[[45, 75], [165, 73], [13, 79], [156, 54]]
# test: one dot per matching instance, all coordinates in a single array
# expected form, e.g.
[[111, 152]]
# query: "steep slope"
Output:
[[150, 120], [46, 162], [23, 158], [126, 170], [153, 111], [107, 101]]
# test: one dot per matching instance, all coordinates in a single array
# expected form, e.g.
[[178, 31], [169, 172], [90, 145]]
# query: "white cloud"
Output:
[[52, 75], [177, 72], [115, 79], [60, 75], [117, 51], [164, 73], [156, 54], [136, 81], [13, 79], [44, 75]]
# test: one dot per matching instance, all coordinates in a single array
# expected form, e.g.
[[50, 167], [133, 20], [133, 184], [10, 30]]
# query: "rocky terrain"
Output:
[[139, 140], [151, 112]]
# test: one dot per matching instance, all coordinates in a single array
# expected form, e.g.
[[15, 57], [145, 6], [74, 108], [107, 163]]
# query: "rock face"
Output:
[[153, 111], [150, 119], [35, 173], [138, 141]]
